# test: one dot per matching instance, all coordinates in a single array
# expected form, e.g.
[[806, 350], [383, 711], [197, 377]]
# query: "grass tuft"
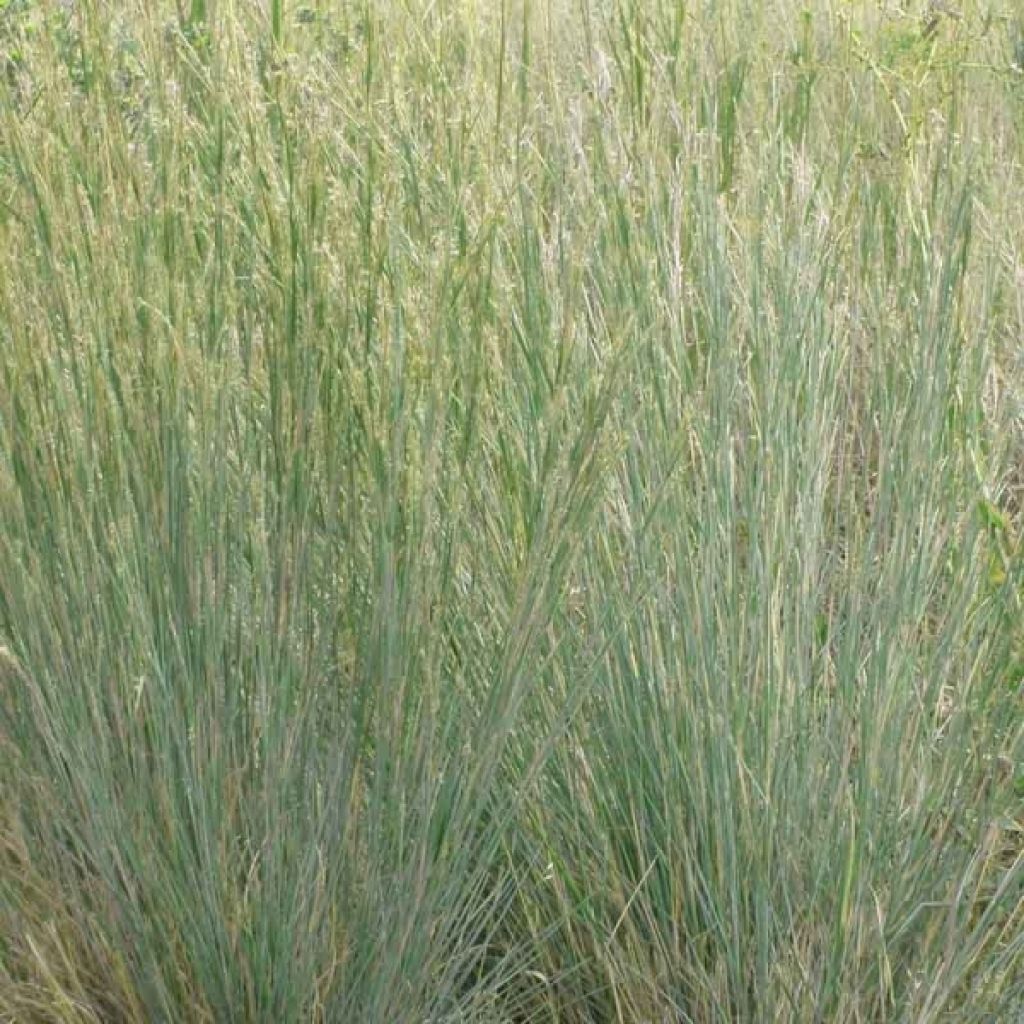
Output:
[[511, 512]]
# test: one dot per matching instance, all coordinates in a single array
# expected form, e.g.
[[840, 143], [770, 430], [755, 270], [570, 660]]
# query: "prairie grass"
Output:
[[509, 512]]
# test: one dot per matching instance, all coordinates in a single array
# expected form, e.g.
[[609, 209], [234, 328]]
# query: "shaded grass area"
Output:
[[509, 513]]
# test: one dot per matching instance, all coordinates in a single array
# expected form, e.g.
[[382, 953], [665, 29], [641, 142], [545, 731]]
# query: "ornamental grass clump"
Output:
[[509, 513]]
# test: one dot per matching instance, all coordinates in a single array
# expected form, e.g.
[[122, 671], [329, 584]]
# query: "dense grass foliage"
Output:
[[509, 512]]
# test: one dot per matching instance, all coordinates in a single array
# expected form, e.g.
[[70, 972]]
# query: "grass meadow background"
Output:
[[509, 511]]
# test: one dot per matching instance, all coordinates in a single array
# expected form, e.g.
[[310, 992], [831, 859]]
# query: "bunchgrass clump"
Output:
[[509, 512]]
